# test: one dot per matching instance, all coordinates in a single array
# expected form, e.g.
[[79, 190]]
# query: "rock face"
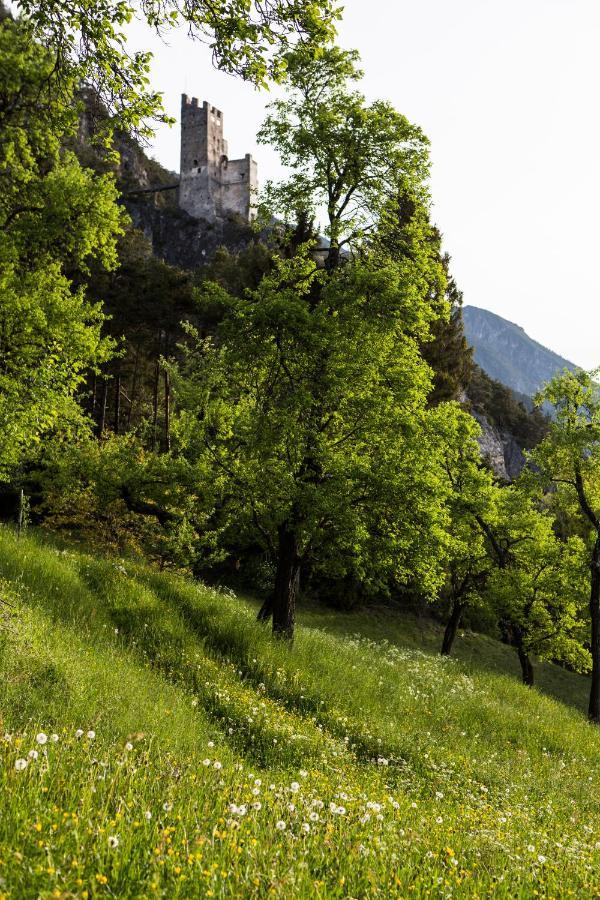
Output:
[[508, 354], [500, 449], [182, 240]]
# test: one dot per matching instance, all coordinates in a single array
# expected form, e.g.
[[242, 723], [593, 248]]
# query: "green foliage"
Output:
[[568, 461], [310, 406], [55, 217], [87, 39], [541, 593], [346, 157]]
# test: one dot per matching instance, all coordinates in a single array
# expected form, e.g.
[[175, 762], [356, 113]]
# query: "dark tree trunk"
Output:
[[287, 583], [594, 707], [155, 405], [452, 627], [117, 419], [333, 258], [133, 391], [526, 664], [266, 610], [167, 386], [103, 402]]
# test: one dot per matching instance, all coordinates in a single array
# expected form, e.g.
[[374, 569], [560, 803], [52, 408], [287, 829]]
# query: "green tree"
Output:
[[87, 38], [311, 404], [472, 500], [541, 597], [55, 217], [347, 158], [567, 461]]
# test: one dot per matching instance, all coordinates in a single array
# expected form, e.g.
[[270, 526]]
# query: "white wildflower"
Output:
[[113, 841], [20, 764], [41, 738], [91, 735], [33, 754], [280, 826]]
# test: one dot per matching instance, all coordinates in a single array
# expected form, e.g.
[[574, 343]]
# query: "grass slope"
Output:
[[189, 755]]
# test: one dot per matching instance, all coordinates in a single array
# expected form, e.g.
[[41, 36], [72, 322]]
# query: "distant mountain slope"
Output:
[[508, 354]]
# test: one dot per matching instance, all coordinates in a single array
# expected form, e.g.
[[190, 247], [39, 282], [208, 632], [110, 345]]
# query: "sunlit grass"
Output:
[[225, 764]]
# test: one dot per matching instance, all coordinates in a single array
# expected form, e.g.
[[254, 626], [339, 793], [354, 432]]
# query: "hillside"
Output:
[[182, 752], [507, 354]]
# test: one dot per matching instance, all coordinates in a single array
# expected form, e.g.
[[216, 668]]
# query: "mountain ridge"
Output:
[[508, 354]]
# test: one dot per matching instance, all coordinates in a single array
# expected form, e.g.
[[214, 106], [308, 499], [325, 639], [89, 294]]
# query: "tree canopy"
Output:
[[55, 218], [87, 38]]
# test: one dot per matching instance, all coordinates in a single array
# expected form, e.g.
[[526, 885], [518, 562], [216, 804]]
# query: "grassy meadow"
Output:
[[155, 741]]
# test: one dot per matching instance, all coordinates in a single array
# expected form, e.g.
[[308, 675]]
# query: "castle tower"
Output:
[[210, 185]]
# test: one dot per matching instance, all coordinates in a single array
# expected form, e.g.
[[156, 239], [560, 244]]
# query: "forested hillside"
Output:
[[237, 458]]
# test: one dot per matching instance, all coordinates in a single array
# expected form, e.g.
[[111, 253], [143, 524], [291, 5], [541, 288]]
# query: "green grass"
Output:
[[389, 771]]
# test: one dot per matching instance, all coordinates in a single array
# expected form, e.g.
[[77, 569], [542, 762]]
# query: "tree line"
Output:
[[289, 411]]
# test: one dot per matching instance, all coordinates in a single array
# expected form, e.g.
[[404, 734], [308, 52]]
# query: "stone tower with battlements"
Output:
[[212, 186]]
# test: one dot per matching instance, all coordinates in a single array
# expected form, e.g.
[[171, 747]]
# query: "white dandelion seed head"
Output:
[[305, 827], [314, 816], [79, 733], [531, 848], [217, 764], [20, 764], [41, 738], [211, 744], [147, 815], [206, 762], [167, 807], [129, 745], [91, 735], [113, 841], [541, 858], [257, 805], [280, 826], [294, 787], [54, 738], [33, 754]]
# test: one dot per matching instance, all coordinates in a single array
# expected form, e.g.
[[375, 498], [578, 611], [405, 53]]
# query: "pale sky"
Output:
[[507, 92]]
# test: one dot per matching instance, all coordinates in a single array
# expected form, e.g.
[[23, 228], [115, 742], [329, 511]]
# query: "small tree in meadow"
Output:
[[568, 462]]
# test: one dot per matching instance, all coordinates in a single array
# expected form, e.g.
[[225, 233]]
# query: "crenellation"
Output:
[[212, 186]]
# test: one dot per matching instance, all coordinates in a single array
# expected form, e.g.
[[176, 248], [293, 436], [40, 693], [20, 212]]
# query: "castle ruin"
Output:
[[212, 186]]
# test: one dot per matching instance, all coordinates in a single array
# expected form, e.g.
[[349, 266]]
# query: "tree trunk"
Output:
[[594, 707], [155, 405], [133, 391], [526, 666], [103, 402], [287, 583], [266, 610], [452, 627], [117, 403], [167, 386]]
